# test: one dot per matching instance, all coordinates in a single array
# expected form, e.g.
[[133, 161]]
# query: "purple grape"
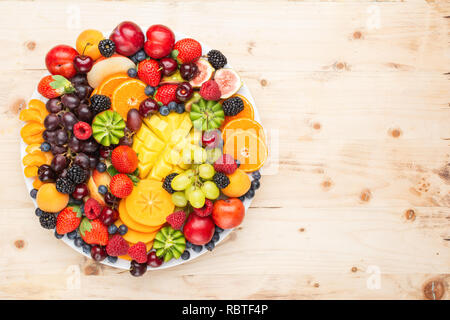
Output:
[[49, 136], [84, 113], [82, 160], [75, 145], [90, 146], [126, 141], [58, 149], [93, 160], [82, 91], [54, 105], [70, 100], [51, 122], [68, 120], [46, 173], [61, 137], [59, 163], [134, 121], [79, 79]]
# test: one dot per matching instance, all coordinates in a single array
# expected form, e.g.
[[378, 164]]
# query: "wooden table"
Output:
[[357, 93]]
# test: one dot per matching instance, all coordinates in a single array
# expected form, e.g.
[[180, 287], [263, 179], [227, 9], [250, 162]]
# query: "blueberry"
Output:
[[242, 198], [238, 163], [123, 229], [78, 242], [210, 246], [45, 146], [186, 255], [219, 229], [188, 245], [111, 259], [256, 184], [172, 106], [250, 194], [140, 55], [58, 236], [101, 167], [38, 212], [72, 235], [33, 193], [164, 110], [256, 175], [86, 248], [197, 248], [73, 201], [149, 90], [216, 237], [112, 229], [180, 108], [102, 189], [132, 72], [133, 58]]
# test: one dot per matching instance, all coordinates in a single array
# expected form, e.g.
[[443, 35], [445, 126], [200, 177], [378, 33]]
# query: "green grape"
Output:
[[206, 171], [213, 154], [199, 155], [179, 199], [210, 190], [197, 198], [186, 156], [188, 190], [180, 182]]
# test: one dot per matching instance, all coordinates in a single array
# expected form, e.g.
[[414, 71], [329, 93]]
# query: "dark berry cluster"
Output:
[[232, 106], [107, 47], [217, 59], [100, 103], [167, 182]]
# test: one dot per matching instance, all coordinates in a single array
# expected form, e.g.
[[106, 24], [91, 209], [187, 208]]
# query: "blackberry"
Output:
[[65, 185], [217, 59], [100, 103], [107, 47], [76, 174], [47, 220], [221, 180], [167, 181], [233, 106]]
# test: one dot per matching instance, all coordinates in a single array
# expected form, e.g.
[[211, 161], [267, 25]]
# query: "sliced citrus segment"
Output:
[[130, 223], [241, 125], [128, 95], [248, 112], [248, 148], [149, 203], [110, 84]]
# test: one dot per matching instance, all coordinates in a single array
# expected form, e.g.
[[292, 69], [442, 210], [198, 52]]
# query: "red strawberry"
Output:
[[68, 220], [187, 50], [54, 86], [94, 232], [92, 208], [124, 159], [121, 185], [176, 219], [166, 94], [138, 252], [225, 164], [149, 71], [210, 90], [206, 210], [117, 246]]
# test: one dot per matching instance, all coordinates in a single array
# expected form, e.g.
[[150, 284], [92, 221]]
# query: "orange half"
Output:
[[110, 84], [243, 124], [128, 95], [248, 148]]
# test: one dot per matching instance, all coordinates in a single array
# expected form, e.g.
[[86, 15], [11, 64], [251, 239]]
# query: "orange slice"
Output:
[[248, 111], [130, 223], [135, 236], [128, 95], [108, 86], [246, 147], [241, 125]]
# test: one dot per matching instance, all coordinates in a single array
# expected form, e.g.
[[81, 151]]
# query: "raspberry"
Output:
[[176, 219], [138, 252], [206, 210], [210, 90], [225, 164], [82, 130], [92, 208], [117, 246]]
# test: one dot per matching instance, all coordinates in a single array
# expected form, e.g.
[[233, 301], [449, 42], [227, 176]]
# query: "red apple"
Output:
[[228, 213], [59, 60], [199, 230], [160, 41], [128, 38]]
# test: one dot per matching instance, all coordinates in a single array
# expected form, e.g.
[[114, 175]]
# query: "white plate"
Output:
[[125, 264]]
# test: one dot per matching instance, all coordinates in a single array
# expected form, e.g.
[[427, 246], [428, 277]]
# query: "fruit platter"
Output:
[[141, 151]]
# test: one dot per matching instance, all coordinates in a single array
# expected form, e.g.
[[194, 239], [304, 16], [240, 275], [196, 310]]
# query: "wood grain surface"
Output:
[[355, 95]]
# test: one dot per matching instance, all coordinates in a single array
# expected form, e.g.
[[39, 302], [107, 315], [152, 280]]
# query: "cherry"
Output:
[[211, 138], [184, 91], [81, 191], [105, 152], [148, 106], [137, 269], [153, 260], [108, 216], [83, 63], [188, 71], [169, 66], [98, 253], [110, 199]]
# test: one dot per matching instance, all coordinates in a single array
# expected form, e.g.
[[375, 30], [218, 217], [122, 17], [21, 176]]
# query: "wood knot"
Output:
[[357, 35], [263, 82], [410, 214], [327, 184], [317, 126], [20, 244], [316, 285], [341, 66], [301, 230], [365, 195], [17, 105], [93, 269], [434, 290], [395, 132], [31, 45], [354, 269]]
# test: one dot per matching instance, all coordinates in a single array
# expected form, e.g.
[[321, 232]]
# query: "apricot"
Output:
[[38, 106], [37, 184], [30, 115], [51, 200], [239, 184], [36, 158], [87, 43], [30, 171], [31, 133]]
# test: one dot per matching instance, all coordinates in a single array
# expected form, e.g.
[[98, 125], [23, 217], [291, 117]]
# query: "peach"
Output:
[[51, 200], [105, 67], [97, 179], [239, 184]]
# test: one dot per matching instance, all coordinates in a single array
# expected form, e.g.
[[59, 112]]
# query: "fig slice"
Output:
[[229, 82], [205, 72]]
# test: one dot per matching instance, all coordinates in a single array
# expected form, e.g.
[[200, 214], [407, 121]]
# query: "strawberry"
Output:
[[117, 246], [68, 220], [176, 219], [121, 185], [166, 94], [92, 208], [54, 86], [206, 210], [124, 159], [225, 164], [187, 50], [210, 90], [149, 71], [138, 252], [94, 232]]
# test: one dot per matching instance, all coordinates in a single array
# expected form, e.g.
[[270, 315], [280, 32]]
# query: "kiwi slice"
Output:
[[206, 115], [108, 127], [169, 243]]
